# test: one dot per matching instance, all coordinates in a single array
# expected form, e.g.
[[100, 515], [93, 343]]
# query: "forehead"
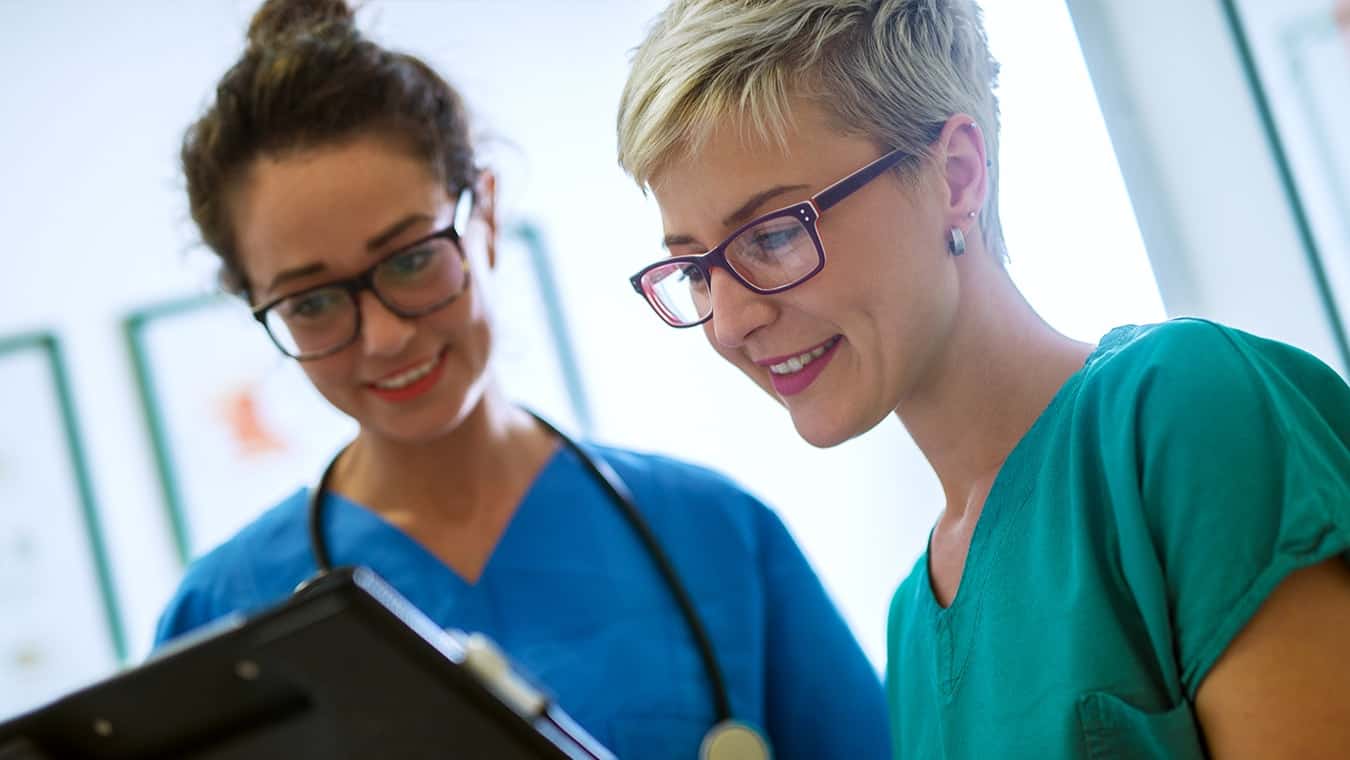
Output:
[[696, 189], [324, 203]]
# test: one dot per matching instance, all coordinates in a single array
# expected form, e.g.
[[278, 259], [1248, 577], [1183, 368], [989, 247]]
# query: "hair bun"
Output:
[[280, 20]]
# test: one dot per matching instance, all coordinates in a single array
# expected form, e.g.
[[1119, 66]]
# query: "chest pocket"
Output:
[[1113, 729]]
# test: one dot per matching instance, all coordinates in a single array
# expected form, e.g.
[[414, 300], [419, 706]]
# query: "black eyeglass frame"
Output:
[[365, 280]]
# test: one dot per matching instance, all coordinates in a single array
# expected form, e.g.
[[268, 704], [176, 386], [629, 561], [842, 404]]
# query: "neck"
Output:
[[997, 372], [493, 452]]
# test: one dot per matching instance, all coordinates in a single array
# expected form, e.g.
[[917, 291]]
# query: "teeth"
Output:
[[409, 377], [796, 363]]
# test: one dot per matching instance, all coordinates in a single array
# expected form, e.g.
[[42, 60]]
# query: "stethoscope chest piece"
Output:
[[733, 740]]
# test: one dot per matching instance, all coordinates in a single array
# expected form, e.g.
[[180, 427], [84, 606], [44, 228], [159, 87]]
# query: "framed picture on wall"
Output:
[[535, 352], [1298, 52], [62, 627], [1315, 49], [236, 426]]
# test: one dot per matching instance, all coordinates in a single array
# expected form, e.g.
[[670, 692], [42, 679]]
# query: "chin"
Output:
[[424, 425], [823, 431], [826, 428]]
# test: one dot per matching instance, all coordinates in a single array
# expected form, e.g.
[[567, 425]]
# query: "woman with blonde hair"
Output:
[[1144, 545]]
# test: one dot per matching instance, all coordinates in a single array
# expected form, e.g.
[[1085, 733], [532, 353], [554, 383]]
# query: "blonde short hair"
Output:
[[893, 71]]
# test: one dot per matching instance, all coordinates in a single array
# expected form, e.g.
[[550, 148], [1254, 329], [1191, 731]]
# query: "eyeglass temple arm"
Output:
[[848, 185]]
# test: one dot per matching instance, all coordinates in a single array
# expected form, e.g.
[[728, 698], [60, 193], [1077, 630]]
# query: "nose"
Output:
[[736, 310], [383, 333]]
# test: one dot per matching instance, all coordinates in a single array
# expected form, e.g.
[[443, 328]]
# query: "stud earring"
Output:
[[957, 243]]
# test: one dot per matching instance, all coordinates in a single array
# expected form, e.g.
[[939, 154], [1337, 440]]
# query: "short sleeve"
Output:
[[180, 616], [1244, 454], [191, 608], [216, 585]]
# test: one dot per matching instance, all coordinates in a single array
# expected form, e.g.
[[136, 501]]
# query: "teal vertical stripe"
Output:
[[89, 512], [91, 519], [134, 330], [1296, 206], [557, 322], [1296, 37]]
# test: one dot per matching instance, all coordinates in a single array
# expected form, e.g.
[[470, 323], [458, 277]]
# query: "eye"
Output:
[[410, 263], [774, 240], [312, 306], [690, 274], [677, 276]]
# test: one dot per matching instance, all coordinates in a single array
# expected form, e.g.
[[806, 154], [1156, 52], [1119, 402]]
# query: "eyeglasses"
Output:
[[413, 281], [770, 254]]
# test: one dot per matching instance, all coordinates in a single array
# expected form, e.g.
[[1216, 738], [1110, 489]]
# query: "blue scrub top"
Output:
[[571, 595]]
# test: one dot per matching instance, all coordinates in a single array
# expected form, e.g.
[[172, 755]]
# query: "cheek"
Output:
[[468, 327], [467, 319], [333, 375], [333, 367]]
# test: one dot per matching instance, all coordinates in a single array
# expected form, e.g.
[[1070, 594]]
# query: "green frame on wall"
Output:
[[167, 469], [541, 262], [1295, 39], [133, 328], [1293, 35], [50, 347]]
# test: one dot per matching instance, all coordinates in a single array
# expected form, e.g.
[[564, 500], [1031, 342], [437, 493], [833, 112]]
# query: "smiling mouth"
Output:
[[408, 377], [799, 362]]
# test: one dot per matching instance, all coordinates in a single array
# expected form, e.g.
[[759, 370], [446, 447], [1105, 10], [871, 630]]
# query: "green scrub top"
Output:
[[1168, 488]]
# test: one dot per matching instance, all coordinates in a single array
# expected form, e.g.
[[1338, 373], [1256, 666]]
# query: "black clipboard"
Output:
[[347, 668]]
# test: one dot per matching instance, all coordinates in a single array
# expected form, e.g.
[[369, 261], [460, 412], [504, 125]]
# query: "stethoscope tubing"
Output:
[[619, 493]]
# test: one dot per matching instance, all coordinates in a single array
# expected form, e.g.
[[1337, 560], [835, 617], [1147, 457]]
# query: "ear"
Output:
[[485, 209], [965, 168]]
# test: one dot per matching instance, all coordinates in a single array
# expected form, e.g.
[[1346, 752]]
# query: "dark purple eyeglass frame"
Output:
[[808, 212]]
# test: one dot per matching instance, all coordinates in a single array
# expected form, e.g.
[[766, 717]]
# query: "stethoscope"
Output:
[[728, 738]]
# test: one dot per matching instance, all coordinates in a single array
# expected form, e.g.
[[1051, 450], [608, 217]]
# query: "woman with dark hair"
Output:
[[336, 181]]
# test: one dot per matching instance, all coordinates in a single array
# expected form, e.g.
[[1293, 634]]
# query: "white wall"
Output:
[[96, 226], [1219, 226], [95, 99]]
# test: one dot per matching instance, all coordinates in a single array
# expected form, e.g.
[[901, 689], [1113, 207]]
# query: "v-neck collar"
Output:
[[357, 535], [1010, 491], [956, 626]]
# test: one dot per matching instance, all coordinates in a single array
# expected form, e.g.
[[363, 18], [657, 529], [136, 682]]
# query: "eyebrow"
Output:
[[373, 245], [741, 214], [394, 230]]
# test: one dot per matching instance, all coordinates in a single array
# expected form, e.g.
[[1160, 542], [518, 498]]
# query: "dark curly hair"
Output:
[[309, 78]]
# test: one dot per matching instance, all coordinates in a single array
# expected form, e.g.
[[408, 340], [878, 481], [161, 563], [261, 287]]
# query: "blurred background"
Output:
[[1159, 159]]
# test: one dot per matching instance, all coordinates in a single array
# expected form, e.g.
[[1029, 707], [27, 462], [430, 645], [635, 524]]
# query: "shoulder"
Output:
[[1191, 404], [1193, 351], [1187, 371], [1131, 358], [691, 498], [677, 481], [252, 569]]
